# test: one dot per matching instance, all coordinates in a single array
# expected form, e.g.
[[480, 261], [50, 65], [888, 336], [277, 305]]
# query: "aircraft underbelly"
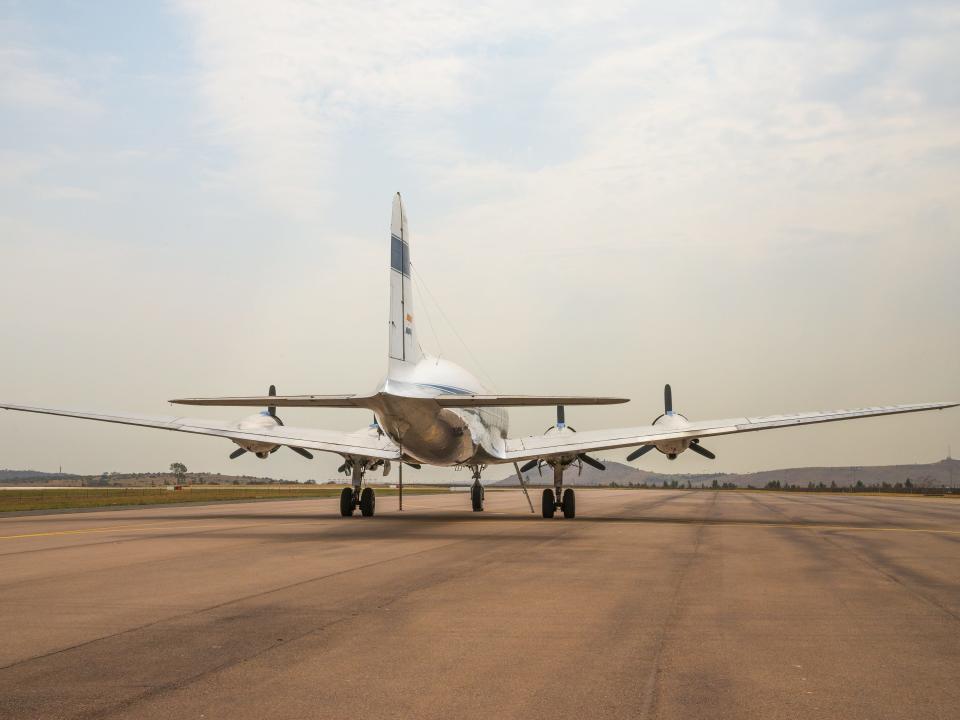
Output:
[[429, 434]]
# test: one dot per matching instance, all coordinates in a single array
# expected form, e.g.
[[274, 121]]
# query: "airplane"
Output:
[[431, 411]]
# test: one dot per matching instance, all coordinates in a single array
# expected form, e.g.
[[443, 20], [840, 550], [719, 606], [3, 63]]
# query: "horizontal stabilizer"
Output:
[[369, 401], [333, 401], [523, 400]]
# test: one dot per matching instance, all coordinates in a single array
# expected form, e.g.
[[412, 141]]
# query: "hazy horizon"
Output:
[[756, 204]]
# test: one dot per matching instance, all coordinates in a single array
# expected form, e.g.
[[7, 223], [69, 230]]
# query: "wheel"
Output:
[[548, 503], [569, 503], [476, 497], [346, 502], [368, 502]]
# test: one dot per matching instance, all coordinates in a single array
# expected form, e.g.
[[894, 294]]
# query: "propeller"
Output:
[[272, 412], [695, 446], [642, 450], [592, 462], [667, 412], [272, 409], [561, 421]]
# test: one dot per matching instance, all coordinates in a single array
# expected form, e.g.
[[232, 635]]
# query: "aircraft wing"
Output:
[[544, 446], [365, 443]]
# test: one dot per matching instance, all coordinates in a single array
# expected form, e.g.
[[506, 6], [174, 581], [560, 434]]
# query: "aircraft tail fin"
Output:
[[404, 347]]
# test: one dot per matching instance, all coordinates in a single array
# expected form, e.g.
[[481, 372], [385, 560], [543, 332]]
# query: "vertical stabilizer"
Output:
[[403, 338]]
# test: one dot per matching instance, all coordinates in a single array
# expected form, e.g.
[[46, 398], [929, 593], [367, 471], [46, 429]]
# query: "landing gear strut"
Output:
[[357, 496], [558, 498], [476, 490]]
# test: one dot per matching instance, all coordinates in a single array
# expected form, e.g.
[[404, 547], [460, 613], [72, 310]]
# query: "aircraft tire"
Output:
[[547, 503], [346, 502], [569, 503], [368, 502]]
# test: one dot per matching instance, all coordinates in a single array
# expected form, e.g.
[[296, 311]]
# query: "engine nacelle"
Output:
[[253, 423], [266, 420], [672, 421]]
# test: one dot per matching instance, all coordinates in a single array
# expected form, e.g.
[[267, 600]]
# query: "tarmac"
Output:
[[650, 604]]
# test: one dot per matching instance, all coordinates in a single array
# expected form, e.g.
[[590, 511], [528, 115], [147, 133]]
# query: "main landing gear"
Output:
[[476, 490], [357, 496], [556, 498]]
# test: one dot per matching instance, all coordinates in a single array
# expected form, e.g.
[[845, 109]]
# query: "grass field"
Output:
[[65, 498]]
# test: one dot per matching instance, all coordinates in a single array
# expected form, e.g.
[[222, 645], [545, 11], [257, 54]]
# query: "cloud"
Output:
[[26, 85], [287, 85], [718, 196]]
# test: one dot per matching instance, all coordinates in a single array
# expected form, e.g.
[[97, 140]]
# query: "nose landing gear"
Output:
[[476, 490]]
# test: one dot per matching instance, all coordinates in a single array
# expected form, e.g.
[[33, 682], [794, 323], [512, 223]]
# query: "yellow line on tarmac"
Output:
[[82, 531], [185, 523]]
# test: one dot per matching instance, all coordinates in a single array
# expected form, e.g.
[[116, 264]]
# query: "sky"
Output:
[[757, 202]]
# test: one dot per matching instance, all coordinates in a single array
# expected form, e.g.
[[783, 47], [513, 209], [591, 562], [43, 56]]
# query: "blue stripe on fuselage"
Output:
[[446, 389]]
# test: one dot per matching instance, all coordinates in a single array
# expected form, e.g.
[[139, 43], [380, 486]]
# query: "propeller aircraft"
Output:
[[430, 411]]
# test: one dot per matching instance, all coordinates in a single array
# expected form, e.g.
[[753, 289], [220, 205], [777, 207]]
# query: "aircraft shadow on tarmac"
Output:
[[441, 526]]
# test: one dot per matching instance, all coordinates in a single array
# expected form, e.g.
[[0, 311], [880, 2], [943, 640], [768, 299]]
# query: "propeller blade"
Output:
[[237, 453], [415, 466], [700, 450], [667, 399], [642, 450], [275, 449], [530, 465], [592, 461], [300, 451], [272, 409]]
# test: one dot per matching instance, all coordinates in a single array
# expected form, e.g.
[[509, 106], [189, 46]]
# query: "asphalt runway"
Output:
[[651, 604]]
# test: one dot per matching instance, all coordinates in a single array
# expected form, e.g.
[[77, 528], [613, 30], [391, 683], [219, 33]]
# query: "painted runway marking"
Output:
[[180, 525], [82, 531]]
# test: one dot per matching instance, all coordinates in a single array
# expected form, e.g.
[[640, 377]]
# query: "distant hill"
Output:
[[938, 474], [116, 479], [8, 475]]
